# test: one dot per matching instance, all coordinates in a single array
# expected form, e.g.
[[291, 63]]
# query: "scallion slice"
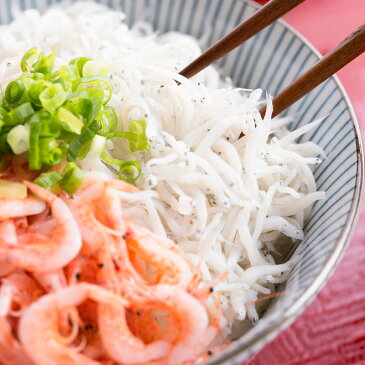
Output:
[[72, 178], [35, 90], [2, 96], [79, 63], [107, 121], [45, 64], [18, 139], [130, 171], [80, 146], [21, 113], [35, 162], [96, 82], [138, 128], [69, 121], [49, 151], [52, 97], [30, 59], [48, 180], [92, 68], [14, 91]]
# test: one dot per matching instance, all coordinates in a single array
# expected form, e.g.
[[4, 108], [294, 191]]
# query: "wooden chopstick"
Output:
[[350, 48], [263, 17]]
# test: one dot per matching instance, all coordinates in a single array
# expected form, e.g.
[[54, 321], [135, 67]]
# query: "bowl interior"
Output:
[[271, 60]]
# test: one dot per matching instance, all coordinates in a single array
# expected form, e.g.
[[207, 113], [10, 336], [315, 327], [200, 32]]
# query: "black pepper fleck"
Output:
[[89, 327], [101, 265], [209, 353], [211, 289], [78, 276]]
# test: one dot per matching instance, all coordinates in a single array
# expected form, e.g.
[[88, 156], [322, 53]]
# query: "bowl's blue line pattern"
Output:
[[308, 100], [268, 61], [256, 52], [294, 58], [239, 9], [271, 61]]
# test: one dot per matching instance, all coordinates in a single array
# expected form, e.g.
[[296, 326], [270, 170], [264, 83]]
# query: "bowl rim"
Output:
[[285, 319]]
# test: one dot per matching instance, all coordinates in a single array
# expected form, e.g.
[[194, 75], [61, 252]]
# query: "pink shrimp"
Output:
[[108, 207], [186, 323], [12, 208], [52, 280], [93, 177], [40, 253], [18, 288], [83, 207], [81, 268], [170, 264], [38, 328], [24, 289], [8, 235]]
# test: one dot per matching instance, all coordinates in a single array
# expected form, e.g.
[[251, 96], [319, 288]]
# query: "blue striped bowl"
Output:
[[271, 60]]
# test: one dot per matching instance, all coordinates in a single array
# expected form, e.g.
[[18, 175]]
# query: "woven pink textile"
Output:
[[332, 329]]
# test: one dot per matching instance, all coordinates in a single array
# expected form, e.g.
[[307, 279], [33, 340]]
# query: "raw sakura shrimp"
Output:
[[171, 267], [12, 208], [40, 253], [187, 320], [18, 288], [38, 328]]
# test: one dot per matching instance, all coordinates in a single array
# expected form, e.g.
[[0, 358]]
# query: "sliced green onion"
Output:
[[69, 121], [45, 64], [130, 171], [72, 178], [79, 63], [18, 139], [12, 190], [30, 59], [96, 82], [92, 68], [2, 96], [14, 91], [4, 117], [21, 113], [35, 90], [80, 146], [107, 121], [52, 97], [110, 160], [138, 128], [32, 76], [136, 136], [87, 102], [49, 152], [50, 126], [48, 180], [35, 162], [68, 76]]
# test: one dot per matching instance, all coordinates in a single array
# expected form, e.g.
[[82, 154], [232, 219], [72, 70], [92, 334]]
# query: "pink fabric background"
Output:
[[332, 329]]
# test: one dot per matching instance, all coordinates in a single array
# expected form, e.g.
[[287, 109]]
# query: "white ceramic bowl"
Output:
[[271, 60]]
